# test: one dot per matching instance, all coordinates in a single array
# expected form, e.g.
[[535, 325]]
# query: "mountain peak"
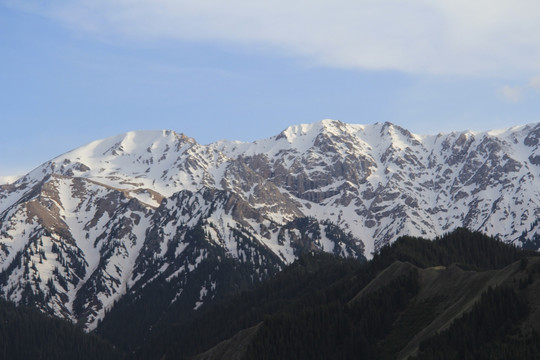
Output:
[[98, 219], [322, 126]]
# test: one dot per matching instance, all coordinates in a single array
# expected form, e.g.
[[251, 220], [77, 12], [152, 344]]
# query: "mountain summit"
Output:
[[113, 216]]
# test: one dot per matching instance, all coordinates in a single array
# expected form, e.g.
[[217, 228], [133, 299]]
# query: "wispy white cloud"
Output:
[[535, 82], [512, 94], [422, 36], [516, 93], [8, 179]]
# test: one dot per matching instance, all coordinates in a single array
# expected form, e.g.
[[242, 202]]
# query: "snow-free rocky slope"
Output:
[[82, 230]]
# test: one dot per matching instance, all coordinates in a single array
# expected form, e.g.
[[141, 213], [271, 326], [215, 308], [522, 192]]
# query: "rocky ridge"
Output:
[[106, 219]]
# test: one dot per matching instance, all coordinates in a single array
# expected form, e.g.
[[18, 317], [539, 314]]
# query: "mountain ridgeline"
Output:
[[118, 215], [153, 227]]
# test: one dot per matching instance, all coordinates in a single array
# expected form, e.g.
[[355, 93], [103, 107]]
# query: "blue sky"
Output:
[[76, 71]]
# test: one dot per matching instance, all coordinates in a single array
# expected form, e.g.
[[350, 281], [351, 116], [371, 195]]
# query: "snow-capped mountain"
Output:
[[112, 217]]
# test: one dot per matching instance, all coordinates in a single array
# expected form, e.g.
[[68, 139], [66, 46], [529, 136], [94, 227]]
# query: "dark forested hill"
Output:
[[29, 334], [461, 296], [323, 307]]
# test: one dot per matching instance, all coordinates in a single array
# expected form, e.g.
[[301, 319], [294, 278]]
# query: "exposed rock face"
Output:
[[80, 231]]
